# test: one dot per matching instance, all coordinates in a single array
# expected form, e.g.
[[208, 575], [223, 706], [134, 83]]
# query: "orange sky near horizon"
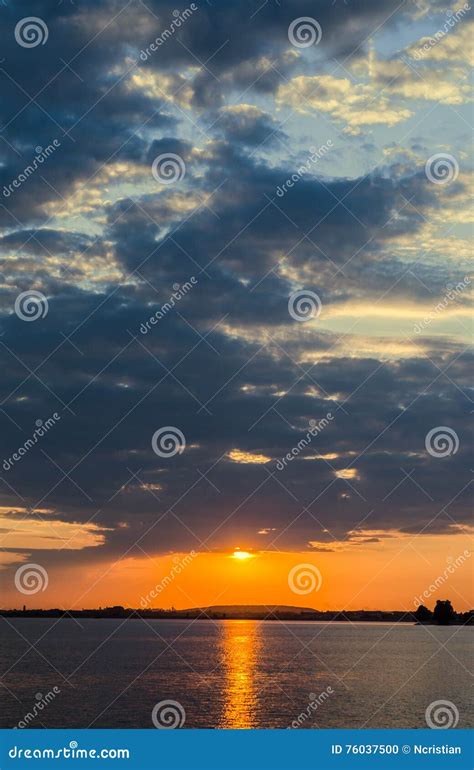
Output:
[[386, 575]]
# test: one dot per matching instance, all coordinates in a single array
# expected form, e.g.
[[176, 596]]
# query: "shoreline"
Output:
[[406, 621]]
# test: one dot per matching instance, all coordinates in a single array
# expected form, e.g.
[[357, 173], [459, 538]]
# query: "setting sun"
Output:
[[242, 555]]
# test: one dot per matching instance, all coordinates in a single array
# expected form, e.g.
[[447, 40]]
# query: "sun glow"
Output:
[[242, 555]]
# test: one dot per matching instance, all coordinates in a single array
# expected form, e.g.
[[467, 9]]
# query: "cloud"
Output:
[[354, 105], [237, 456], [248, 125], [226, 364]]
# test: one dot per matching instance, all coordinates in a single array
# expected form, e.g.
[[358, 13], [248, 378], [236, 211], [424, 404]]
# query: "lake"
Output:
[[231, 673]]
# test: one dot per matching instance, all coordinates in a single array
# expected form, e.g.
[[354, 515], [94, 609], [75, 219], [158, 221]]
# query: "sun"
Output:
[[242, 555]]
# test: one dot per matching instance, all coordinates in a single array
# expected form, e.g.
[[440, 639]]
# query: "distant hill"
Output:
[[442, 615], [247, 610]]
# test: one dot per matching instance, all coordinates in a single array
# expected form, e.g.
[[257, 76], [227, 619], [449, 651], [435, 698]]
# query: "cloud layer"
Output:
[[171, 295]]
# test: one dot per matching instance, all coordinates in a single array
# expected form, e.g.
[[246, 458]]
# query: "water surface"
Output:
[[232, 673]]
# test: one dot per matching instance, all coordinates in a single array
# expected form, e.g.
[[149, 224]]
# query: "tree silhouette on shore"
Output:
[[442, 615]]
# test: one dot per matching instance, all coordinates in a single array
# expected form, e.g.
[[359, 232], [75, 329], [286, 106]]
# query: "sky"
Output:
[[235, 303]]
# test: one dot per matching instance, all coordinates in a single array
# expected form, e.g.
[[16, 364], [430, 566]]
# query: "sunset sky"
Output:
[[334, 300]]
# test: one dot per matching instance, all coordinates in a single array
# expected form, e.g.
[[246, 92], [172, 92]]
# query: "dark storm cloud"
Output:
[[75, 89], [218, 365], [248, 230], [122, 389], [233, 38], [248, 128], [45, 241]]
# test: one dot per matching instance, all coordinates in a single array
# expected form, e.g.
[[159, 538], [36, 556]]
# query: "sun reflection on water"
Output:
[[240, 648]]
